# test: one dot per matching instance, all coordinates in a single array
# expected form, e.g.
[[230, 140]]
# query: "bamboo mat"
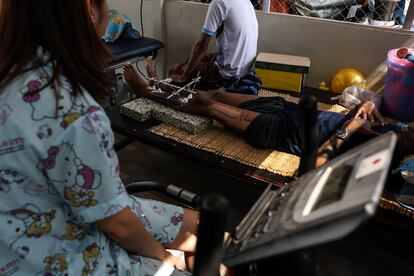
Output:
[[223, 142], [388, 202]]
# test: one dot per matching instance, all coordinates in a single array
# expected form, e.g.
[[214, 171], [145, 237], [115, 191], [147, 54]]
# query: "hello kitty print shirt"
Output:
[[58, 175]]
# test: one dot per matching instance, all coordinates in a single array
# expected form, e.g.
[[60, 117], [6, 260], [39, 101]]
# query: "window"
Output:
[[384, 13]]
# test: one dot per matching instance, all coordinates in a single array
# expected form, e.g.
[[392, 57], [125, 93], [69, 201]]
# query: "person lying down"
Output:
[[270, 122]]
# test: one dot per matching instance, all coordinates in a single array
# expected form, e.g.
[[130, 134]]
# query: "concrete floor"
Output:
[[377, 250], [140, 162]]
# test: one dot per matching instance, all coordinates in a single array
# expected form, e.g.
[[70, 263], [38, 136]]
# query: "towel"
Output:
[[120, 25], [406, 195], [407, 169], [248, 84]]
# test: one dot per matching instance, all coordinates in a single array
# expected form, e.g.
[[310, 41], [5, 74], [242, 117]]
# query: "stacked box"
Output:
[[282, 72]]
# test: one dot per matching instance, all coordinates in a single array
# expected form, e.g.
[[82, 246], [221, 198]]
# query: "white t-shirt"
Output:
[[237, 44]]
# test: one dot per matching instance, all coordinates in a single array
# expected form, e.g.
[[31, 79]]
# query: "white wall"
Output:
[[152, 21], [132, 9], [330, 45]]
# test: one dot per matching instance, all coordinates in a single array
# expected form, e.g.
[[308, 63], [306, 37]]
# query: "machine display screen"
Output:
[[334, 187]]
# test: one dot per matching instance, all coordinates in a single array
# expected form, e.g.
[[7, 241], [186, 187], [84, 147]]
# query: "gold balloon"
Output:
[[346, 77]]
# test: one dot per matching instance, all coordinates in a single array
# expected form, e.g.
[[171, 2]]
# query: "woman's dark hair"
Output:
[[65, 30]]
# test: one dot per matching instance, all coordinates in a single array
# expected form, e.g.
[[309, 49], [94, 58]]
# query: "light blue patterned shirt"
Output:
[[58, 175]]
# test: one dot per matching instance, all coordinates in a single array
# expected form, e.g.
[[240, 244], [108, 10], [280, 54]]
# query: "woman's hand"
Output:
[[368, 111], [174, 261]]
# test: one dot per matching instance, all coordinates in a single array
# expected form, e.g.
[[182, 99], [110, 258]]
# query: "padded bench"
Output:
[[132, 50]]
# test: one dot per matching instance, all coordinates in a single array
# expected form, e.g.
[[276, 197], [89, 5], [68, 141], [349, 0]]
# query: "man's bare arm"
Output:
[[330, 148], [369, 111], [197, 53]]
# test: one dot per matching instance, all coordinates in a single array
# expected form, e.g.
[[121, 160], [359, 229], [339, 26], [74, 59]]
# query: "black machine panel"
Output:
[[322, 205]]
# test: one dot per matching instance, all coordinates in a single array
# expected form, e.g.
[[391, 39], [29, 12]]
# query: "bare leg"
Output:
[[232, 99], [186, 239], [234, 118], [151, 73], [142, 89], [139, 85], [149, 67], [220, 95], [187, 236], [202, 104]]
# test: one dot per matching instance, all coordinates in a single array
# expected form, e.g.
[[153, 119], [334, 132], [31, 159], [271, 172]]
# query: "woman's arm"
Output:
[[127, 230]]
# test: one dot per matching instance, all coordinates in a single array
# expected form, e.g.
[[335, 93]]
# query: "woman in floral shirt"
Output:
[[63, 207]]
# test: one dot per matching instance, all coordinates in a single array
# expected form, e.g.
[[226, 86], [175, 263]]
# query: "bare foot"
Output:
[[135, 81], [199, 104], [141, 89], [149, 67]]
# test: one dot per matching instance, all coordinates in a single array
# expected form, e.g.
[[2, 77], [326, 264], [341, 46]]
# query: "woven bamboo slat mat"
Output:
[[225, 143], [388, 202], [391, 204], [321, 106]]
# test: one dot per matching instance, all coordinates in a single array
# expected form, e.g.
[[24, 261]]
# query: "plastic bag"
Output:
[[355, 95], [406, 169]]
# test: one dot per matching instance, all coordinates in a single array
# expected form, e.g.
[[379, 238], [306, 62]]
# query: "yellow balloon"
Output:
[[346, 77]]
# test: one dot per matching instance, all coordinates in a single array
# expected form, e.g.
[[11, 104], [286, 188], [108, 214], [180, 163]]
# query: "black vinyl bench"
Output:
[[132, 50]]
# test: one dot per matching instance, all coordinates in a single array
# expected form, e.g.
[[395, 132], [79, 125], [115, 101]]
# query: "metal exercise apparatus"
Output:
[[184, 93]]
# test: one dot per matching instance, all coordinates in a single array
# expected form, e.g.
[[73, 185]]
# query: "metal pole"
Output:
[[309, 133], [209, 250], [408, 21], [266, 5]]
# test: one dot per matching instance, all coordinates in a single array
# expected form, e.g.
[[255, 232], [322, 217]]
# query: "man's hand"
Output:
[[178, 78], [197, 53], [368, 111]]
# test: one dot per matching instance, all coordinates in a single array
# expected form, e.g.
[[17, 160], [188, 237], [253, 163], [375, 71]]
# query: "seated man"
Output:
[[235, 25], [272, 122]]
